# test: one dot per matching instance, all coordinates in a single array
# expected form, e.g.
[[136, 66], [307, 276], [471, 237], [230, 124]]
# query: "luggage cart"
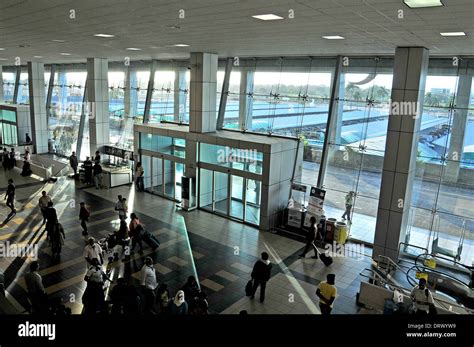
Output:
[[455, 254]]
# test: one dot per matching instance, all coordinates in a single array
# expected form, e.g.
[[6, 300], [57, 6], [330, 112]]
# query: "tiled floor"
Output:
[[218, 251]]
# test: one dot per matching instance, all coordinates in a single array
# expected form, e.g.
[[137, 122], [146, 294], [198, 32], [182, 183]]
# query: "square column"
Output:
[[408, 90], [39, 118], [98, 101], [202, 98]]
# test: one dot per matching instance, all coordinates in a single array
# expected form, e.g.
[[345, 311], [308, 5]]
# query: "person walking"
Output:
[[134, 232], [326, 293], [149, 284], [260, 275], [179, 305], [51, 219], [97, 169], [88, 171], [93, 251], [422, 298], [139, 177], [35, 288], [43, 204], [74, 163], [84, 215], [10, 196], [163, 297], [28, 139], [310, 237], [57, 238], [349, 202]]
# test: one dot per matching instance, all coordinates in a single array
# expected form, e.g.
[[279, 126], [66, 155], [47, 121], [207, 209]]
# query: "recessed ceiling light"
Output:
[[333, 37], [2, 49], [133, 49], [181, 45], [267, 16], [61, 41], [65, 53], [104, 35], [3, 59], [423, 3], [38, 56], [174, 27], [454, 33]]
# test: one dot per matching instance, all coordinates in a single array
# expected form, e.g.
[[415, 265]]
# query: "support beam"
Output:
[[408, 88], [39, 120], [224, 93], [332, 122], [50, 93], [246, 99], [82, 121], [17, 84], [180, 96], [458, 128], [149, 92], [130, 93]]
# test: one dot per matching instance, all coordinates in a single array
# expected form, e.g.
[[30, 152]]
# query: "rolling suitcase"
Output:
[[327, 260], [150, 240]]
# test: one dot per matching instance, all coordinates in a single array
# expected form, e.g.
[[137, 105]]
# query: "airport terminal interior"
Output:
[[335, 137]]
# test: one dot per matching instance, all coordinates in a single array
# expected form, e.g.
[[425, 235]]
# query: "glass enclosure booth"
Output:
[[241, 176], [15, 123]]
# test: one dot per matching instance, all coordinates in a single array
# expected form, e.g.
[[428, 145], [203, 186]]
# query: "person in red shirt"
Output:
[[134, 232]]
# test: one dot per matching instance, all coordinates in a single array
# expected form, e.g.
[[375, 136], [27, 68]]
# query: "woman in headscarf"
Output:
[[179, 305]]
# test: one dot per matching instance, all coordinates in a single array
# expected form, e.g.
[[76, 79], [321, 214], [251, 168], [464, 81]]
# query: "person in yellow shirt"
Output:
[[326, 293]]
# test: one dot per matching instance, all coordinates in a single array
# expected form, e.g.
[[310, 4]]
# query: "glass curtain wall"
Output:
[[442, 210], [231, 115], [162, 101], [117, 116], [357, 148], [8, 86], [65, 113]]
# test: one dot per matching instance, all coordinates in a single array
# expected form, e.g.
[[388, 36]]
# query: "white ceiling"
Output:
[[226, 27]]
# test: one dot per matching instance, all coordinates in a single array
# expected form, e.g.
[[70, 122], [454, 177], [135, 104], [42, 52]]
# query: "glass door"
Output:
[[252, 201], [236, 208], [169, 178], [157, 175], [221, 193], [179, 172], [146, 163], [206, 193]]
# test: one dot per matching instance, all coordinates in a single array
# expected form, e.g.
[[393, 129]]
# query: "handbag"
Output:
[[248, 288]]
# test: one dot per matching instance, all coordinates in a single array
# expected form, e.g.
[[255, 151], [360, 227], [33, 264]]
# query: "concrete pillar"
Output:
[[179, 96], [202, 108], [245, 101], [408, 89], [98, 100], [39, 118], [458, 129], [2, 98]]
